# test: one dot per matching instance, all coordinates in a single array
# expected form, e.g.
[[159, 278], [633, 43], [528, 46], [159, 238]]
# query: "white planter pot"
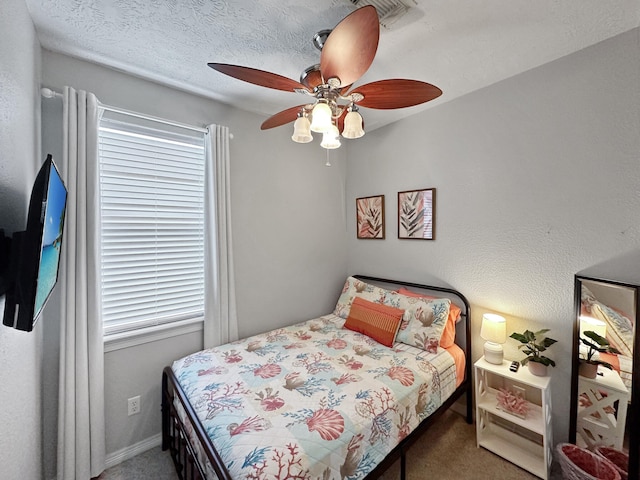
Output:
[[588, 370], [537, 369]]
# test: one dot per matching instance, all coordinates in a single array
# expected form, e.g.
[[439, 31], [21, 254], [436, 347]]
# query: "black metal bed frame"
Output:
[[176, 439]]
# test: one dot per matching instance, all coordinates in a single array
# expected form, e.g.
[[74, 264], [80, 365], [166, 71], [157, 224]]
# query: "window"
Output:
[[152, 224]]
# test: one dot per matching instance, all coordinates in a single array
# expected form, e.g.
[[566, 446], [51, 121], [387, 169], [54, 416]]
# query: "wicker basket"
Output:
[[619, 459], [580, 464]]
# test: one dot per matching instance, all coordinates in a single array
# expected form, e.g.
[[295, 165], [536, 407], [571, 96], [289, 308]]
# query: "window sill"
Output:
[[119, 341]]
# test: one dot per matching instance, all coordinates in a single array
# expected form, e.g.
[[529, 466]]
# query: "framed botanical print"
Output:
[[370, 217], [416, 214]]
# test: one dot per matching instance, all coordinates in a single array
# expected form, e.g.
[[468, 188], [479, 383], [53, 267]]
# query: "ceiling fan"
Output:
[[347, 52]]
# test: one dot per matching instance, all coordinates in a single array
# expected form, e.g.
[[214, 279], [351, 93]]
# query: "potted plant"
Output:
[[595, 344], [533, 344]]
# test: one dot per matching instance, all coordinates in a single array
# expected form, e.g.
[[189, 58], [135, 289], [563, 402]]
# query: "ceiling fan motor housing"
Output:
[[320, 38]]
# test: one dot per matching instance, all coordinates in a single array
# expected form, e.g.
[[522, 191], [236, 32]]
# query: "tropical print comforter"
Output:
[[312, 401]]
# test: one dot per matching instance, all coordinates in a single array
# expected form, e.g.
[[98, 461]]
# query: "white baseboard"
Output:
[[120, 456]]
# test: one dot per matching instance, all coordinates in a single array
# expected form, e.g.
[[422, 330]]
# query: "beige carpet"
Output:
[[446, 452], [153, 464]]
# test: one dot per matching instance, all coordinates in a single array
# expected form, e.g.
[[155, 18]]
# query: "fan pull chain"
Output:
[[328, 164]]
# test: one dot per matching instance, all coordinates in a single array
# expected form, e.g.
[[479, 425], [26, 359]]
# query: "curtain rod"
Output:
[[152, 118], [48, 93]]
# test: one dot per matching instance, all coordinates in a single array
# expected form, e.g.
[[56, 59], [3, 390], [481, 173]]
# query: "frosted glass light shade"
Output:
[[494, 328], [301, 130], [331, 138], [592, 324], [321, 118], [353, 125], [494, 331]]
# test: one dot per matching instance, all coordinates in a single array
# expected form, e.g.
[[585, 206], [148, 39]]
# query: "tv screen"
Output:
[[35, 252], [56, 201]]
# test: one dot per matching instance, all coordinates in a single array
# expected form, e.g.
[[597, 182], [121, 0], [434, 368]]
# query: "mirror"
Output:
[[603, 405]]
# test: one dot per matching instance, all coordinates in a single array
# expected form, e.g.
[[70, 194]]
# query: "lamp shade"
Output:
[[494, 331], [592, 324], [353, 125], [321, 117], [301, 131], [331, 138], [494, 328]]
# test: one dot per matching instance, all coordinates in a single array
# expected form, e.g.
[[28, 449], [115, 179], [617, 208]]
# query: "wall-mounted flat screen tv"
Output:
[[34, 254]]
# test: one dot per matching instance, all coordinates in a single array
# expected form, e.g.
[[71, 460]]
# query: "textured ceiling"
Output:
[[460, 46]]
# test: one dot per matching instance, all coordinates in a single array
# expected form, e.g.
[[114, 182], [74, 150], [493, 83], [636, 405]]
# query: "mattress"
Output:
[[313, 400]]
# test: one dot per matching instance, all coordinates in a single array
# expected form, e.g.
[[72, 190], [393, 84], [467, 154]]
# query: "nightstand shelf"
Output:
[[602, 410], [526, 442], [533, 422], [510, 445]]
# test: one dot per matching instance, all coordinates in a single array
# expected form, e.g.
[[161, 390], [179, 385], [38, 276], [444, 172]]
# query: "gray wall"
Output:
[[288, 224], [537, 179], [20, 357]]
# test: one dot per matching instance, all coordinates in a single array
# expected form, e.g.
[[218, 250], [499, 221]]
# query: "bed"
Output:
[[340, 396]]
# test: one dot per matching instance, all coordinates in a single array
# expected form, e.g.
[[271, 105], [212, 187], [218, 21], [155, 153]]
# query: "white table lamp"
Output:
[[592, 324], [494, 331]]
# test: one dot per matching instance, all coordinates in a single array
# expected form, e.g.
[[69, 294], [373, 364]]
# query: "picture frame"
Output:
[[370, 217], [417, 214]]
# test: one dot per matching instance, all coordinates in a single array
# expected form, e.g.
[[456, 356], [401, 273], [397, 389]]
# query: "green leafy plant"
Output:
[[597, 343], [412, 213], [532, 347], [370, 217]]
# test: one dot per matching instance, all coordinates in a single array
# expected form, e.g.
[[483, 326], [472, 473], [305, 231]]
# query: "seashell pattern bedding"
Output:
[[313, 400]]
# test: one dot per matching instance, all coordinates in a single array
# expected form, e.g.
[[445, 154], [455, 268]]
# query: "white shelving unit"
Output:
[[602, 412], [526, 442]]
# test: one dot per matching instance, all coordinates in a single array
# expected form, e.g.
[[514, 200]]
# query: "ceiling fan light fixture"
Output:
[[331, 138], [301, 130], [321, 117], [346, 53], [353, 125]]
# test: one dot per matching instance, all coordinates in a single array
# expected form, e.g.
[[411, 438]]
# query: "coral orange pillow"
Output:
[[448, 337], [375, 320]]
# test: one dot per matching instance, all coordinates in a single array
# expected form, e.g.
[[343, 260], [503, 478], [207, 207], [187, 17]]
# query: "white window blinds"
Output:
[[152, 225]]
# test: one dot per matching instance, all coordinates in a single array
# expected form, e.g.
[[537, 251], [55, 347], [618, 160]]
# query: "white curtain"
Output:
[[81, 424], [220, 320]]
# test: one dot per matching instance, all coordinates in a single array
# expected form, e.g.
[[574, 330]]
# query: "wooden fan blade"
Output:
[[396, 93], [351, 46], [311, 77], [281, 118], [258, 77]]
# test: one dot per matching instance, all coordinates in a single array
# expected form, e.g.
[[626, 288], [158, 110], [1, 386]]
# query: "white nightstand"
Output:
[[602, 410], [526, 442]]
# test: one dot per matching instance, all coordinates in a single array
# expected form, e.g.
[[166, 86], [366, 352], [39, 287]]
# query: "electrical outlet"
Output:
[[133, 405]]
